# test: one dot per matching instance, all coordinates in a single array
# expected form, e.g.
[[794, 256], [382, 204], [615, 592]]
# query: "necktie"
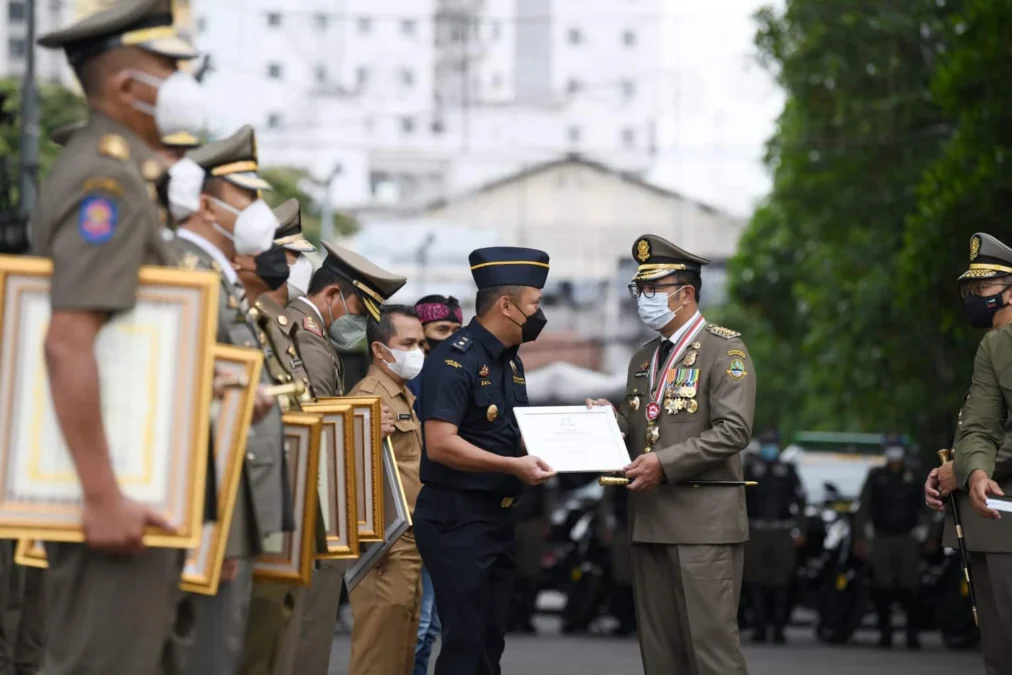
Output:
[[665, 352]]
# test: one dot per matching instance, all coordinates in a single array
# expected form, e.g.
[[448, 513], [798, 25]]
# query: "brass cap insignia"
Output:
[[115, 146], [974, 247], [643, 250]]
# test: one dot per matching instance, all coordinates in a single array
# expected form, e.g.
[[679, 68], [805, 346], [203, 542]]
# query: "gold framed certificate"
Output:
[[288, 556], [336, 486], [368, 465], [155, 366], [230, 425], [398, 520]]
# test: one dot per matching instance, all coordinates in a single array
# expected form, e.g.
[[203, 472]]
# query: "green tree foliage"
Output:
[[58, 106], [818, 268], [289, 182]]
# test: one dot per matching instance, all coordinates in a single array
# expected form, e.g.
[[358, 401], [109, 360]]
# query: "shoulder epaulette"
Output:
[[653, 339], [115, 146], [725, 333], [462, 343]]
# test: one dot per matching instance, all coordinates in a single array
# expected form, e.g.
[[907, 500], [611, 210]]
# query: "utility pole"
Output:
[[327, 208], [29, 120]]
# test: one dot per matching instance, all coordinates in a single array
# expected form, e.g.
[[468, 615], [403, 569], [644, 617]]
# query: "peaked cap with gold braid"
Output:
[[289, 233], [373, 284], [988, 258], [233, 158], [657, 258]]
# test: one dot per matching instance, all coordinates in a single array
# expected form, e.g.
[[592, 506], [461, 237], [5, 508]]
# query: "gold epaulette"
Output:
[[725, 333], [115, 146]]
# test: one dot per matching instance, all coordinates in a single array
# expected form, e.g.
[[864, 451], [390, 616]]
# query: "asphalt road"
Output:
[[554, 654]]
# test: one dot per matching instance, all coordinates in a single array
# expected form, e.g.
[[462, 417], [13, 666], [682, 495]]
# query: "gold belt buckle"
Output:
[[506, 502]]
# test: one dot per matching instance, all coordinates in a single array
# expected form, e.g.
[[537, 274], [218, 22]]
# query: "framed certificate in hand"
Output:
[[155, 366], [288, 556], [368, 466], [336, 487]]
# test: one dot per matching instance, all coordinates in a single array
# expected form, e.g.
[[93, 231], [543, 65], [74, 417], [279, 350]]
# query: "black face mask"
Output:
[[980, 311], [272, 267], [433, 342], [532, 327]]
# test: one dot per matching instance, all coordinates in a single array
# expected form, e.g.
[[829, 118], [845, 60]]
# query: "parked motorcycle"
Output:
[[843, 586]]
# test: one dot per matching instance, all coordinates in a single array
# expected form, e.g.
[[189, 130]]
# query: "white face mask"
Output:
[[254, 227], [895, 454], [654, 312], [180, 104], [186, 180], [299, 274], [407, 363]]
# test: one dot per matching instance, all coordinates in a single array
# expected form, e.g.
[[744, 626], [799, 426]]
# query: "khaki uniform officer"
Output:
[[97, 220], [983, 449], [687, 414], [230, 217], [386, 604], [342, 294], [265, 280]]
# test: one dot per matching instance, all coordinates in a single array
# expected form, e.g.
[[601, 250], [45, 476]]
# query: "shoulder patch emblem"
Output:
[[309, 324], [150, 169], [97, 219], [109, 185], [115, 146], [452, 363], [462, 343], [725, 333], [737, 352], [736, 371]]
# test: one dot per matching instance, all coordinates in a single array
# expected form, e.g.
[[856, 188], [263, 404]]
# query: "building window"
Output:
[[16, 11], [629, 137], [407, 125], [575, 36], [407, 78], [364, 24], [322, 20], [369, 125], [496, 80], [17, 48], [495, 28], [628, 88], [408, 27], [629, 38], [573, 86], [273, 19], [202, 24], [321, 73], [274, 121], [362, 76], [274, 71], [575, 134]]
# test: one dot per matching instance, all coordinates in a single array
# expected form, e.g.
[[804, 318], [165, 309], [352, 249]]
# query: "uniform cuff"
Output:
[[963, 471]]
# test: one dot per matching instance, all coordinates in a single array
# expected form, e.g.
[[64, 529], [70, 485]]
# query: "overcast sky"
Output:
[[726, 105]]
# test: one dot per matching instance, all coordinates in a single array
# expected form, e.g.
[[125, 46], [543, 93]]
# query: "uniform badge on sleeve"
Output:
[[736, 370], [97, 220]]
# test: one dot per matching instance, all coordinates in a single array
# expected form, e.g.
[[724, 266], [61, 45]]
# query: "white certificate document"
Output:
[[999, 504], [574, 439]]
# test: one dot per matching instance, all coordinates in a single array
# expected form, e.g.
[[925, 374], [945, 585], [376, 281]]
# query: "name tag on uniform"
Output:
[[296, 363], [641, 373], [403, 417]]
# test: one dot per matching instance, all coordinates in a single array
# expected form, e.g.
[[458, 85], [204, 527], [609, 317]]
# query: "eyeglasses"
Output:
[[648, 290], [979, 287]]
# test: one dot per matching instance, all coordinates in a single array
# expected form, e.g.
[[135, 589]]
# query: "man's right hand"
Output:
[[932, 492], [532, 470], [115, 524], [599, 402], [980, 488], [263, 404]]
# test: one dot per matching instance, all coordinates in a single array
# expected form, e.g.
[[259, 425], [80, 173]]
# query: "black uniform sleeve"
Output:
[[446, 389]]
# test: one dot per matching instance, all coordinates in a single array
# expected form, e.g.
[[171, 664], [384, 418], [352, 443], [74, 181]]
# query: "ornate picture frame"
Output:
[[288, 556], [398, 520], [336, 486], [155, 367], [368, 465]]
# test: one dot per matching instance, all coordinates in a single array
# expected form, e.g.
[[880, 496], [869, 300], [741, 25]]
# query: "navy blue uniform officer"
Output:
[[474, 464]]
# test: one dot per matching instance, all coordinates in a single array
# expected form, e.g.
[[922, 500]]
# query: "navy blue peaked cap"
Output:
[[508, 266]]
